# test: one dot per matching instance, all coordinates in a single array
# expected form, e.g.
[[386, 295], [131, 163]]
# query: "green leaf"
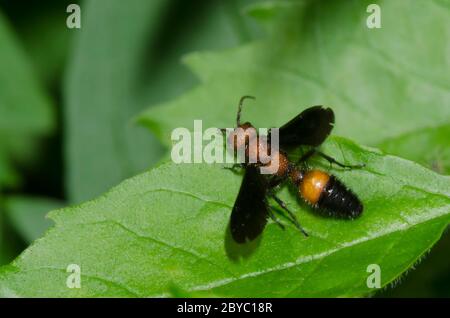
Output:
[[386, 89], [430, 279], [168, 227], [7, 174], [10, 243], [378, 81], [25, 110], [27, 215], [9, 248], [125, 58], [99, 97], [46, 39], [429, 147], [25, 114]]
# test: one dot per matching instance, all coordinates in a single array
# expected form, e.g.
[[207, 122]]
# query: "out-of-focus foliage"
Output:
[[25, 109], [28, 215], [25, 115], [429, 147]]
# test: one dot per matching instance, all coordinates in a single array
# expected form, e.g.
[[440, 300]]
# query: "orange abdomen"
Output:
[[326, 193], [312, 185]]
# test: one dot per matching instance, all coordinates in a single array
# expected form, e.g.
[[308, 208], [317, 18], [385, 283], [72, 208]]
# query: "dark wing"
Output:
[[311, 127], [249, 215]]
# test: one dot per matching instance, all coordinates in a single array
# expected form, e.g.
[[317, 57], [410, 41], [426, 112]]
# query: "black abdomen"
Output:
[[337, 200]]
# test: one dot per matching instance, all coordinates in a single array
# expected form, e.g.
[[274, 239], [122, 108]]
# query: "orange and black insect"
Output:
[[324, 192]]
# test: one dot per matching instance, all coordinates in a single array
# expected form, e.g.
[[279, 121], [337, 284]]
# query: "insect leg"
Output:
[[306, 156], [241, 102], [328, 158], [275, 219], [235, 167], [275, 182], [292, 216], [331, 160]]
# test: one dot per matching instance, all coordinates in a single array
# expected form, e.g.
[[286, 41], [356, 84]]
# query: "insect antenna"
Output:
[[241, 102]]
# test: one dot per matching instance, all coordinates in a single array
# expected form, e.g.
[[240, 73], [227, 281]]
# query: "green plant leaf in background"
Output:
[[380, 84], [118, 68], [25, 115], [430, 279], [27, 215], [137, 240], [42, 30], [46, 38], [429, 147], [8, 248], [102, 148]]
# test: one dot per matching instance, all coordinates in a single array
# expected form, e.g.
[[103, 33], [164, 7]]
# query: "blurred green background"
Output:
[[68, 99]]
